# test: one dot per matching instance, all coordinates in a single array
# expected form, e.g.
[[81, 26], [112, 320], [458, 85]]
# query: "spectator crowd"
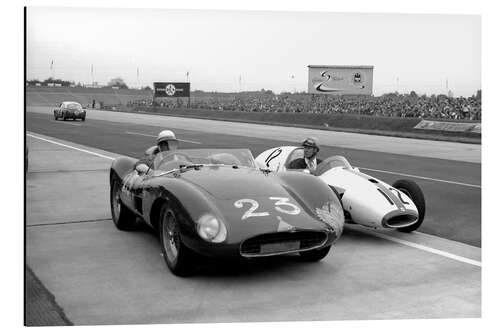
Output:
[[388, 105]]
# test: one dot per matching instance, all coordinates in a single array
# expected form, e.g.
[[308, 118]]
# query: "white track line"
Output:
[[71, 147], [428, 249], [376, 234], [422, 177], [154, 136]]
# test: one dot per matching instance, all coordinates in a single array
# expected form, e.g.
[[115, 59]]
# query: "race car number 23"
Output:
[[281, 205]]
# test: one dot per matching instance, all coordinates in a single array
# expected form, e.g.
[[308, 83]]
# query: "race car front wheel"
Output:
[[315, 255], [123, 218], [411, 189], [177, 256]]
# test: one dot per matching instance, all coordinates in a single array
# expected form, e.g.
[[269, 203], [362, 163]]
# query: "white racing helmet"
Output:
[[166, 135]]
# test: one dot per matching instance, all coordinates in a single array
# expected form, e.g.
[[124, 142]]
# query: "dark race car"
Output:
[[70, 110], [217, 203]]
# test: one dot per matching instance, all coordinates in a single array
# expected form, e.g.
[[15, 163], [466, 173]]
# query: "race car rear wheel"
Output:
[[55, 116], [411, 189], [177, 256], [315, 255], [123, 218], [83, 118]]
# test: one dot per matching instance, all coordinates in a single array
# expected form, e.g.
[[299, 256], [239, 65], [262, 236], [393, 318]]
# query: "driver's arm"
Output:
[[144, 164], [147, 160]]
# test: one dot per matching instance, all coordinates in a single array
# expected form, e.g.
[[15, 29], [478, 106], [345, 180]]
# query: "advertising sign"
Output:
[[171, 89], [449, 126], [340, 80]]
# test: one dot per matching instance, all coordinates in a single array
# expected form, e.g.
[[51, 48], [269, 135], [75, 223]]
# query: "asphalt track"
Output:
[[452, 188], [99, 275]]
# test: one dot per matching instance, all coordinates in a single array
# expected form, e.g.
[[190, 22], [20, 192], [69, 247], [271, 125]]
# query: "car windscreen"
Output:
[[332, 162], [72, 106], [170, 160]]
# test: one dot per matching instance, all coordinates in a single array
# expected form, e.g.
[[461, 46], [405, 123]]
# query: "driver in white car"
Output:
[[166, 141], [309, 162]]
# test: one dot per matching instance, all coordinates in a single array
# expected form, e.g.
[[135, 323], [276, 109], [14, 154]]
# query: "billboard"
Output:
[[171, 89], [340, 80]]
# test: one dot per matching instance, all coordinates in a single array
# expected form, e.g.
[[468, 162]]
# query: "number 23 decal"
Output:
[[281, 204]]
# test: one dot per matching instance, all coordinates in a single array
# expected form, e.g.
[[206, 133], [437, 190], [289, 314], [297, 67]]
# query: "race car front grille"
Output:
[[282, 242], [400, 221]]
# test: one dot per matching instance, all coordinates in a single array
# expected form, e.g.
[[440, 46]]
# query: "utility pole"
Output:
[[138, 82], [52, 74], [189, 98]]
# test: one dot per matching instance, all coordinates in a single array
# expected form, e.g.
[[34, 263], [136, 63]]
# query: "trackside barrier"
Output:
[[448, 126]]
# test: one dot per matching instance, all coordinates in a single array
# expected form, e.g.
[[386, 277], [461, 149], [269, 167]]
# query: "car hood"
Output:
[[227, 183], [252, 202]]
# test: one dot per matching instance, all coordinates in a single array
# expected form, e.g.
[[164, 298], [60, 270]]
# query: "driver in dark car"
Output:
[[309, 162], [166, 141]]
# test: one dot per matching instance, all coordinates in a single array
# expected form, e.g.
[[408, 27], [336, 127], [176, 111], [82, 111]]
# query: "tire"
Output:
[[179, 258], [55, 116], [123, 218], [411, 189], [74, 118], [315, 255], [83, 118], [64, 116]]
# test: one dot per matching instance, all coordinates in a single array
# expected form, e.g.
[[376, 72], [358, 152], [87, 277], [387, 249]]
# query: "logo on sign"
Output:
[[357, 77], [327, 76], [170, 90]]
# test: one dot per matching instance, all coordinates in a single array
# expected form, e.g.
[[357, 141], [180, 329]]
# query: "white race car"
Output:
[[366, 200]]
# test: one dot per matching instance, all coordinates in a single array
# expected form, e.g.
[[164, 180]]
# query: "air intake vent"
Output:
[[401, 221], [282, 242]]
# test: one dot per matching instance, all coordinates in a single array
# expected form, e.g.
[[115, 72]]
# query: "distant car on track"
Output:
[[70, 110], [217, 203], [366, 200]]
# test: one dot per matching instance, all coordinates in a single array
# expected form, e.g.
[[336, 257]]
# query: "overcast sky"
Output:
[[265, 48]]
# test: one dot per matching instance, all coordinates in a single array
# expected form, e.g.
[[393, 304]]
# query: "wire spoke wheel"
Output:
[[123, 217], [178, 257], [115, 201], [170, 236]]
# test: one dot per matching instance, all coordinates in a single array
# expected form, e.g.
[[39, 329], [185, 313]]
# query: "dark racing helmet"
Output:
[[311, 142]]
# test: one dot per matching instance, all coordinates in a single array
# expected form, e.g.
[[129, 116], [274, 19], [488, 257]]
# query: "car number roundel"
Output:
[[281, 204]]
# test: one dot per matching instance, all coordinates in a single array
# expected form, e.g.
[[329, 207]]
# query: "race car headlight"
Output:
[[211, 229]]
